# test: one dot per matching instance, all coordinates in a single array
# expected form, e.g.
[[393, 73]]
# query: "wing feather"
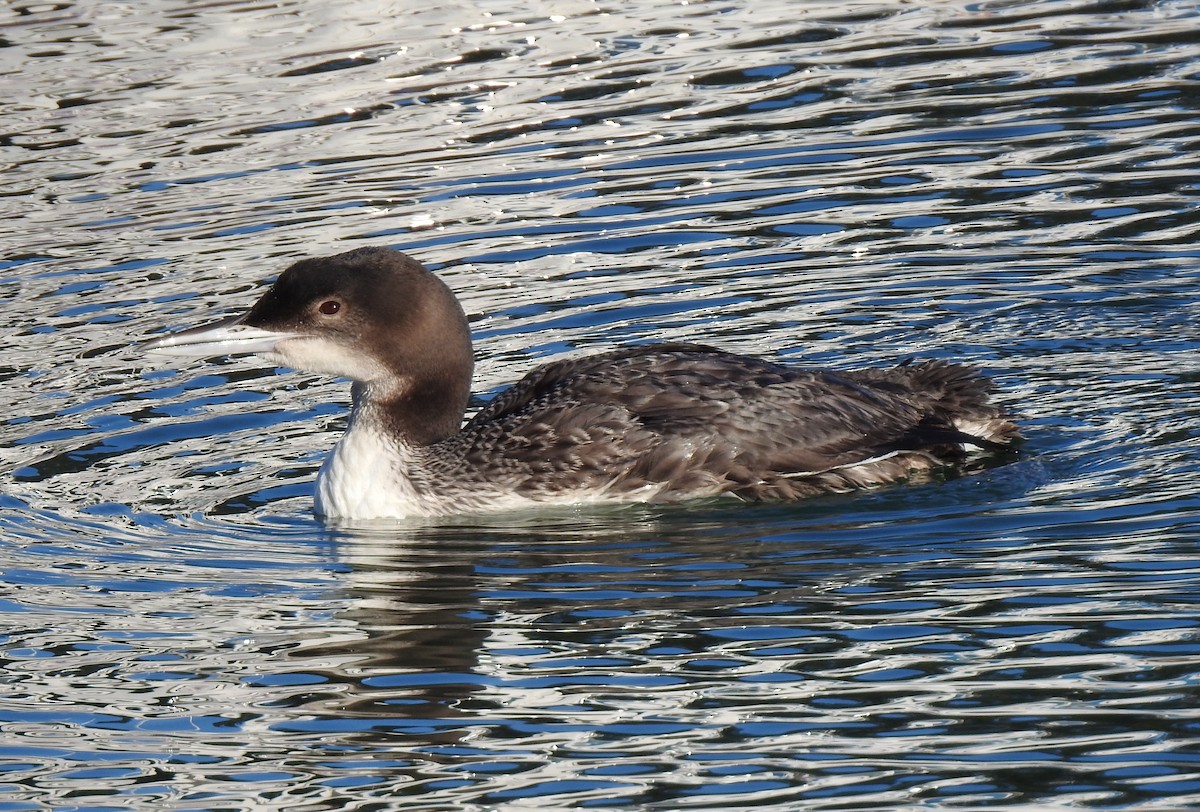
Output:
[[703, 419]]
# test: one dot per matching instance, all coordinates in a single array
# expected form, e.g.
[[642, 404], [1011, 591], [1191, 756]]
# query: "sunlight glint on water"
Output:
[[1012, 185]]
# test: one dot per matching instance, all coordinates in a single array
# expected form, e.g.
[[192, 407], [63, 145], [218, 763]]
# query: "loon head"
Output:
[[374, 315]]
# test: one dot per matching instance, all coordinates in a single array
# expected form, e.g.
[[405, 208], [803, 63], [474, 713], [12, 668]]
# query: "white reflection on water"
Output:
[[844, 184]]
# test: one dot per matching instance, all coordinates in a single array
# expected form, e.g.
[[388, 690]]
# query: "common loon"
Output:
[[650, 423]]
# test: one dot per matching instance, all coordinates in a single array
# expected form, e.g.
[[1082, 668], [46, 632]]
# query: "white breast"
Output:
[[368, 475]]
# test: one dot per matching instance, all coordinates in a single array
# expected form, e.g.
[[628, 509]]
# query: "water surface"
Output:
[[1011, 184]]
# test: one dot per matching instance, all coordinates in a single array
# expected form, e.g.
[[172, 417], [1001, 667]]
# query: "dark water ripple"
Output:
[[1008, 183]]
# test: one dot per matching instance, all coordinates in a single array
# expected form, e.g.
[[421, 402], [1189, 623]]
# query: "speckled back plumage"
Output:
[[671, 421]]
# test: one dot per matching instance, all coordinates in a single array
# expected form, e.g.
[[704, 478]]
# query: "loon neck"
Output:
[[420, 414]]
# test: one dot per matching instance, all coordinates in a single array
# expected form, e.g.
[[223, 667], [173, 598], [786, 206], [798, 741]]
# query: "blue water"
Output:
[[1009, 184]]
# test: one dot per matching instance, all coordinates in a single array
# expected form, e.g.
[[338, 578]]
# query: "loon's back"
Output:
[[674, 421]]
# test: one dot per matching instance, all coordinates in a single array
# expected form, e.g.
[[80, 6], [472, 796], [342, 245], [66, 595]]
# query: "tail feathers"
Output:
[[959, 399], [993, 433]]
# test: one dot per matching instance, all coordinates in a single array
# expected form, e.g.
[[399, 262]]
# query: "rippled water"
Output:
[[1013, 184]]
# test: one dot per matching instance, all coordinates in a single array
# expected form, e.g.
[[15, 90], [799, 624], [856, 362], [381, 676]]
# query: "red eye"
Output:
[[330, 307]]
